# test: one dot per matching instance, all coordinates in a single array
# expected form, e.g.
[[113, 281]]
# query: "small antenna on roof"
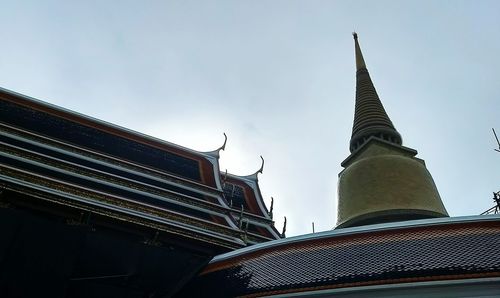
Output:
[[496, 195], [495, 209], [313, 226], [498, 142]]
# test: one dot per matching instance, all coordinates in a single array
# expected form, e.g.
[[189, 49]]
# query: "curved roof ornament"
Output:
[[254, 176], [215, 153], [284, 229], [261, 166], [223, 147]]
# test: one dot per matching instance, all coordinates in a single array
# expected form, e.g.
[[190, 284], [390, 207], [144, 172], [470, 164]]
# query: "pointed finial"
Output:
[[370, 117], [215, 153], [360, 62], [254, 176], [223, 147], [271, 209], [284, 229], [261, 166]]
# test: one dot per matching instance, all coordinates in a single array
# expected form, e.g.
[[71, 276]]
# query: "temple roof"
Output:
[[100, 136], [370, 117], [88, 164], [384, 254], [111, 211]]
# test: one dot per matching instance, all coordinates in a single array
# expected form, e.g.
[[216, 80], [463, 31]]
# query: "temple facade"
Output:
[[90, 209]]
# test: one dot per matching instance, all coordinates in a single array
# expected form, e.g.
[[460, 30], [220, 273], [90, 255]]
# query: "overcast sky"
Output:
[[279, 78]]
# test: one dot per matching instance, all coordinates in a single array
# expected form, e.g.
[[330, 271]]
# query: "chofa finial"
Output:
[[262, 165], [215, 153], [254, 176], [223, 147], [284, 229], [271, 209], [355, 35]]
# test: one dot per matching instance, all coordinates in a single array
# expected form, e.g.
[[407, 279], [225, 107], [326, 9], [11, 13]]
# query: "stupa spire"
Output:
[[382, 181], [360, 62], [370, 117]]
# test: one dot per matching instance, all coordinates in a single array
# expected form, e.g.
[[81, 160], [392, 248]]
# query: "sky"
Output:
[[278, 77]]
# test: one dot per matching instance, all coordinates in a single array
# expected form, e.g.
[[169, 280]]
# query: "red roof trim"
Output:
[[206, 167], [344, 240]]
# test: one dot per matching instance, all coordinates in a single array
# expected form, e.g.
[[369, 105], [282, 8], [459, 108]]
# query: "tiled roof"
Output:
[[56, 154], [445, 249]]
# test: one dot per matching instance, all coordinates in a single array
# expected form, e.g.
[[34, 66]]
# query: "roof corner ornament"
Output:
[[284, 229], [254, 176], [223, 147], [354, 34], [261, 166], [215, 153], [270, 213]]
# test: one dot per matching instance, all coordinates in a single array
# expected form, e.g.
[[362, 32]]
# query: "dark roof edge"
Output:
[[358, 230], [105, 123]]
